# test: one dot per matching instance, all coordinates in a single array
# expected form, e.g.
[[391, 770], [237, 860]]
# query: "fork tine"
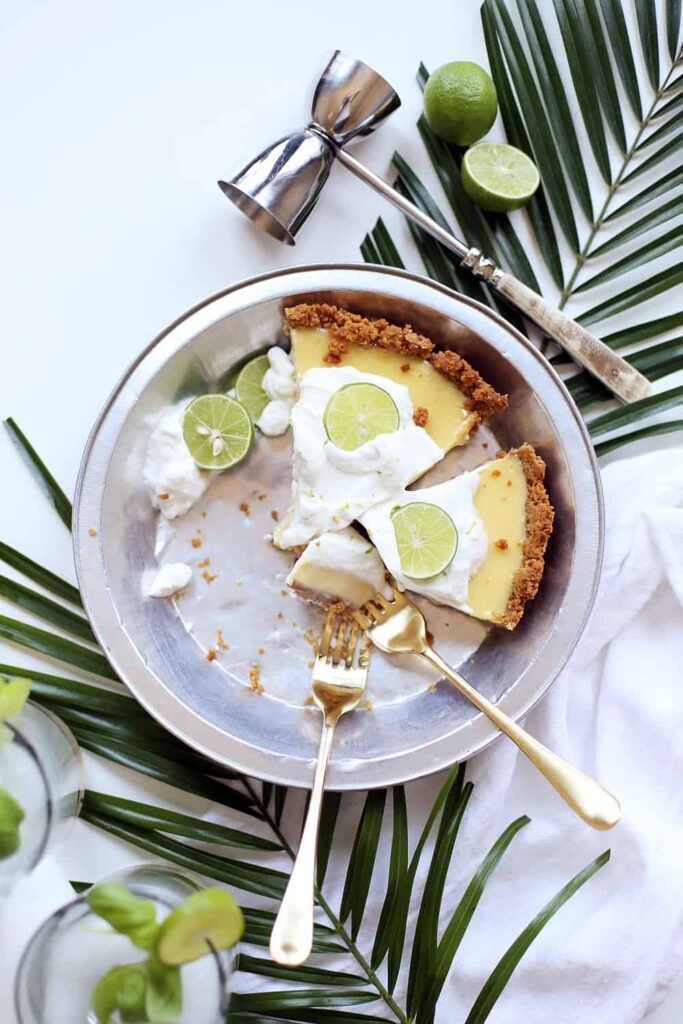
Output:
[[382, 600], [362, 619], [372, 610], [327, 634], [352, 643], [340, 644]]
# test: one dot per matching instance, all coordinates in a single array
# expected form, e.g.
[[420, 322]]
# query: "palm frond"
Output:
[[41, 473], [43, 577]]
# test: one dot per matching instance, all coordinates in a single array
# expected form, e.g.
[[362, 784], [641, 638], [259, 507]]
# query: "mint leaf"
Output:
[[164, 995], [11, 817], [123, 989], [127, 914]]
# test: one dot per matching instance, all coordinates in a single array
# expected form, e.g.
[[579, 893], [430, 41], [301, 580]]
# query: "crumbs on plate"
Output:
[[255, 679], [211, 654], [209, 576], [196, 542], [92, 531], [220, 640]]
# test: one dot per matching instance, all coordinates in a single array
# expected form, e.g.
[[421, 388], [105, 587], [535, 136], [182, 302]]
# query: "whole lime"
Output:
[[460, 102]]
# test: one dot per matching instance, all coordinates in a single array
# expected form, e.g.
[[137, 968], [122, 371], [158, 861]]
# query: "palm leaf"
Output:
[[43, 577], [398, 866], [647, 27], [634, 296], [328, 823], [657, 188], [57, 647], [303, 975], [56, 614], [673, 26], [41, 473], [362, 860], [670, 209], [502, 973], [617, 33], [654, 430], [637, 258]]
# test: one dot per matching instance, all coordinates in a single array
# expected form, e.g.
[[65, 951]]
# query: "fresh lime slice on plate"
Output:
[[218, 431], [426, 539], [498, 177], [248, 386], [357, 413], [208, 918]]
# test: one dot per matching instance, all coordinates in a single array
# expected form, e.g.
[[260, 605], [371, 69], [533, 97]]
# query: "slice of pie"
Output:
[[503, 520], [340, 566], [449, 397], [438, 400]]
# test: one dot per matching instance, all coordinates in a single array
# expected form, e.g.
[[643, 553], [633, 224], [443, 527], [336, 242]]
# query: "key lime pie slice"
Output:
[[340, 566], [378, 406], [476, 542]]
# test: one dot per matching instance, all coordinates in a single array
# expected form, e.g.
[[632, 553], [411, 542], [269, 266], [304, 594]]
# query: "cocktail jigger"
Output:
[[280, 187]]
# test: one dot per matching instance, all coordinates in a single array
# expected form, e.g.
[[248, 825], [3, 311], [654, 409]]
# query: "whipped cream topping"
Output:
[[173, 481], [344, 551], [170, 579], [456, 497], [332, 487], [279, 383]]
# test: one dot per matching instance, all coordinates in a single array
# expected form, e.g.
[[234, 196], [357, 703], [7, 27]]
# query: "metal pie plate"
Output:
[[158, 647]]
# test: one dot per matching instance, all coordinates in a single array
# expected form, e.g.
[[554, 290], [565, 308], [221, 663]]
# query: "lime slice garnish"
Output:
[[426, 539], [248, 386], [218, 431], [207, 918], [357, 413], [498, 177]]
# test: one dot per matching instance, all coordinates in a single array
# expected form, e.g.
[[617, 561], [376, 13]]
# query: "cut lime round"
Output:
[[248, 386], [426, 539], [208, 918], [357, 413], [218, 431], [498, 177]]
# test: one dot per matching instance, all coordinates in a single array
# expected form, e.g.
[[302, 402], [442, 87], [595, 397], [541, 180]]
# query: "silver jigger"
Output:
[[279, 189]]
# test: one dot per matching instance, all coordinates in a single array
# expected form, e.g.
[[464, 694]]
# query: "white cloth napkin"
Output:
[[617, 712]]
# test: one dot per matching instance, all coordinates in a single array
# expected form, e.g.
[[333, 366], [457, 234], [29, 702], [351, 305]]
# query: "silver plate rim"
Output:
[[186, 724]]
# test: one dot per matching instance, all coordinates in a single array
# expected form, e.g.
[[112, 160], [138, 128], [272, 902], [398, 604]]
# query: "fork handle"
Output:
[[291, 939], [591, 801]]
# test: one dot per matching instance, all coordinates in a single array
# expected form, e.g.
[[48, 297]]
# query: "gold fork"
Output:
[[339, 675], [398, 627]]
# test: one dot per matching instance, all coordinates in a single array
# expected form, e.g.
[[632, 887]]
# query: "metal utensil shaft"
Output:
[[622, 379]]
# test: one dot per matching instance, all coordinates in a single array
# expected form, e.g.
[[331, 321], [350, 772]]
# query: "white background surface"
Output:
[[117, 119]]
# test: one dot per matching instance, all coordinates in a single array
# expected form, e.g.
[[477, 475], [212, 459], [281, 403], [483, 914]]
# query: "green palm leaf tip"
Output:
[[646, 16], [40, 472], [503, 970], [362, 861], [673, 26], [618, 35]]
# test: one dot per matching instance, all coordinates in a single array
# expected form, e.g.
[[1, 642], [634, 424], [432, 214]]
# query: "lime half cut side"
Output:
[[426, 539], [248, 387], [357, 413], [218, 431], [208, 918], [498, 177]]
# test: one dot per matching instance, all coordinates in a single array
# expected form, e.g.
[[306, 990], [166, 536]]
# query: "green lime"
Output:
[[426, 539], [460, 102], [248, 386], [498, 177], [209, 916], [357, 413], [13, 695], [218, 431]]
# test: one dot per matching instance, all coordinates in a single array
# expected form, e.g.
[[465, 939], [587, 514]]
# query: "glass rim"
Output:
[[22, 741], [53, 920]]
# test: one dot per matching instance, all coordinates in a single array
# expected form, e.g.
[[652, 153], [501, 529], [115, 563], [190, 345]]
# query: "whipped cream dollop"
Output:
[[456, 497], [279, 383], [173, 481], [332, 487], [170, 579]]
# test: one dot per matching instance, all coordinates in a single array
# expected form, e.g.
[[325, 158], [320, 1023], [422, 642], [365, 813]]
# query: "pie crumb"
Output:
[[502, 544], [261, 650], [367, 704], [92, 531], [204, 562], [220, 640], [495, 472], [164, 496], [420, 416], [255, 679], [196, 542], [274, 515], [211, 654], [309, 700], [209, 576], [244, 507], [280, 615], [405, 367], [432, 688], [262, 497]]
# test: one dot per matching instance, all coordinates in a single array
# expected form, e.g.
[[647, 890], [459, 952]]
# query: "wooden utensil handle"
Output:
[[619, 376]]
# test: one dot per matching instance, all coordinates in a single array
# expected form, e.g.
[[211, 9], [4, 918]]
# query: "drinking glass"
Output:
[[73, 949], [41, 768]]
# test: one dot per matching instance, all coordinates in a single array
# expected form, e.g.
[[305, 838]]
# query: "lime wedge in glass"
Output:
[[248, 386], [208, 918], [218, 431], [357, 413], [426, 539], [498, 177]]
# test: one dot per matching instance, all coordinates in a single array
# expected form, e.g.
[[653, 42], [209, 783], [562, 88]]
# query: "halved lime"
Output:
[[248, 386], [426, 539], [207, 918], [357, 413], [498, 177], [218, 431]]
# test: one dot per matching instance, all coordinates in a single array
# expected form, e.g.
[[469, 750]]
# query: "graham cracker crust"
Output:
[[539, 516], [347, 329]]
